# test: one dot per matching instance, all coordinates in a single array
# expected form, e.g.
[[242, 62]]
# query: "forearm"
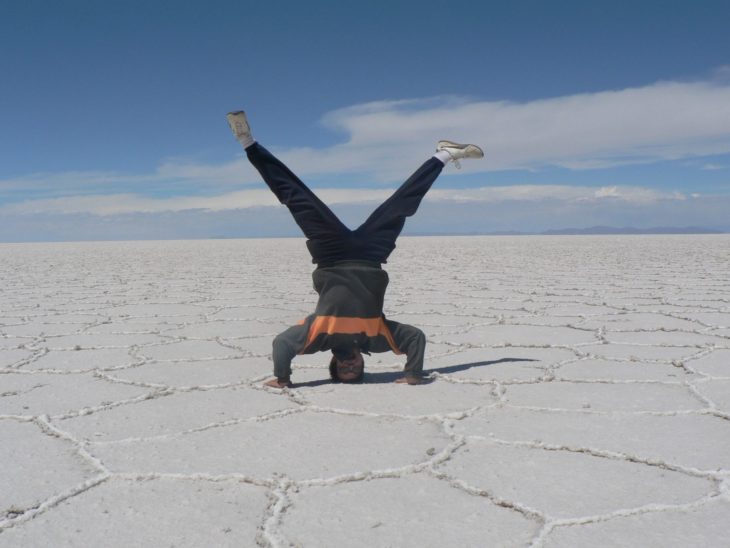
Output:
[[285, 347], [412, 342]]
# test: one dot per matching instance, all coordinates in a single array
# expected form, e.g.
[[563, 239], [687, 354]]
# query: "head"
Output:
[[347, 366]]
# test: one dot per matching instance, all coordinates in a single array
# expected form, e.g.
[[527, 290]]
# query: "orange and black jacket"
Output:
[[349, 314]]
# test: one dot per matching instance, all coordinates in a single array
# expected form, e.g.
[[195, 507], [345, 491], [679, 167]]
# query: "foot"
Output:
[[239, 126], [279, 383], [410, 380], [458, 151]]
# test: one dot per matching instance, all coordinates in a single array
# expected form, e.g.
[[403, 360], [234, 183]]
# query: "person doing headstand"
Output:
[[349, 279]]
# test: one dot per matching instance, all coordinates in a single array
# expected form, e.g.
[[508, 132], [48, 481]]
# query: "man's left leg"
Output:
[[377, 235]]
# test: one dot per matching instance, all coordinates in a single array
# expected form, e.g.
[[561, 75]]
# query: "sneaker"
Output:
[[457, 151], [239, 125]]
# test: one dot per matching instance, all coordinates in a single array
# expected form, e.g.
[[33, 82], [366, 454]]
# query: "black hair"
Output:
[[335, 378]]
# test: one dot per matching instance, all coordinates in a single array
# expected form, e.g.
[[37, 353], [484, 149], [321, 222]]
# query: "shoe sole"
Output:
[[451, 144], [237, 120]]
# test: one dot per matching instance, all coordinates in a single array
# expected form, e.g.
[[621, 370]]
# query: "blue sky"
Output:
[[112, 119]]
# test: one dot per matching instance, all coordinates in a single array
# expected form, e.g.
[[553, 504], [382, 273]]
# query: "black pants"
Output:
[[328, 240]]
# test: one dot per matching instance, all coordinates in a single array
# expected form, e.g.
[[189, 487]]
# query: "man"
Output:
[[349, 280]]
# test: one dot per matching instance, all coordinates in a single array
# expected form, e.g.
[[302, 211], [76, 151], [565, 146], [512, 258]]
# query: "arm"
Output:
[[412, 342], [286, 345]]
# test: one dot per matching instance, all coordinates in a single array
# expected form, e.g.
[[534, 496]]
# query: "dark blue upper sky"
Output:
[[114, 85]]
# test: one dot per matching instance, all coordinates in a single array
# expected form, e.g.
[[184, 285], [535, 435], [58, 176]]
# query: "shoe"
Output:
[[457, 151], [239, 125]]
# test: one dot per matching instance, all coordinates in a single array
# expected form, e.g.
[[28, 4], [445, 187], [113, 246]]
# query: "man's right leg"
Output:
[[326, 234], [311, 214]]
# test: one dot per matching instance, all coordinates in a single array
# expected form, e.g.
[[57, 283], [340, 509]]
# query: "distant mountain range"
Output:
[[632, 230], [595, 230]]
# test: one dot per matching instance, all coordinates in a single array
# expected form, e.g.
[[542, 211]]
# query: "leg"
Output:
[[325, 232], [378, 233]]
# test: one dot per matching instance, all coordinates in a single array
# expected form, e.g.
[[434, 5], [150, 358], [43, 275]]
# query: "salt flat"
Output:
[[579, 396]]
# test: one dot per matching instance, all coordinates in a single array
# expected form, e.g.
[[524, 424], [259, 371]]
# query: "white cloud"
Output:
[[385, 140], [104, 205], [664, 121], [115, 204], [130, 203]]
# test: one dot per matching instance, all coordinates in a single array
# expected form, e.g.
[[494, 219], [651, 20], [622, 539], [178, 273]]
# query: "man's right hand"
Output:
[[411, 380], [279, 383]]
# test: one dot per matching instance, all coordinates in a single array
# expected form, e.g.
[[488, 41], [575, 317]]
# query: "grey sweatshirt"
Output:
[[349, 314]]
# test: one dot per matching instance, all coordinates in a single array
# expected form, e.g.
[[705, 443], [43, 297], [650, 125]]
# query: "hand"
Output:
[[411, 380], [279, 383]]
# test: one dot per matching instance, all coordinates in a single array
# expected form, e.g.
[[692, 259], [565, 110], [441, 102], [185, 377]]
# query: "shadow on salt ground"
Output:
[[390, 376]]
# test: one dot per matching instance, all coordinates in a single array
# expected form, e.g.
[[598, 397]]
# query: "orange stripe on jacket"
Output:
[[330, 325]]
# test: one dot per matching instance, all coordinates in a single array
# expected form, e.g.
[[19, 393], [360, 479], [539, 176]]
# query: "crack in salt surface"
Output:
[[211, 426], [552, 524], [614, 455], [511, 296]]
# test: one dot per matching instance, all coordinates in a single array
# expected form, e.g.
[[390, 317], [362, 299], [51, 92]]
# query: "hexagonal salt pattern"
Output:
[[692, 526], [691, 441], [570, 484], [36, 465], [301, 445], [405, 511], [577, 397], [149, 512]]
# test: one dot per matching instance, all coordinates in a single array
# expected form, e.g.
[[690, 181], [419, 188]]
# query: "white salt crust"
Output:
[[578, 395]]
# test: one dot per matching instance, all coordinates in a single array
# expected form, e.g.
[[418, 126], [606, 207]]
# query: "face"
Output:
[[350, 369]]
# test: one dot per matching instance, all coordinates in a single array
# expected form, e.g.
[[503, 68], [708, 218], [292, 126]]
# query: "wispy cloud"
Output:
[[170, 173], [562, 193], [115, 204], [521, 208]]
